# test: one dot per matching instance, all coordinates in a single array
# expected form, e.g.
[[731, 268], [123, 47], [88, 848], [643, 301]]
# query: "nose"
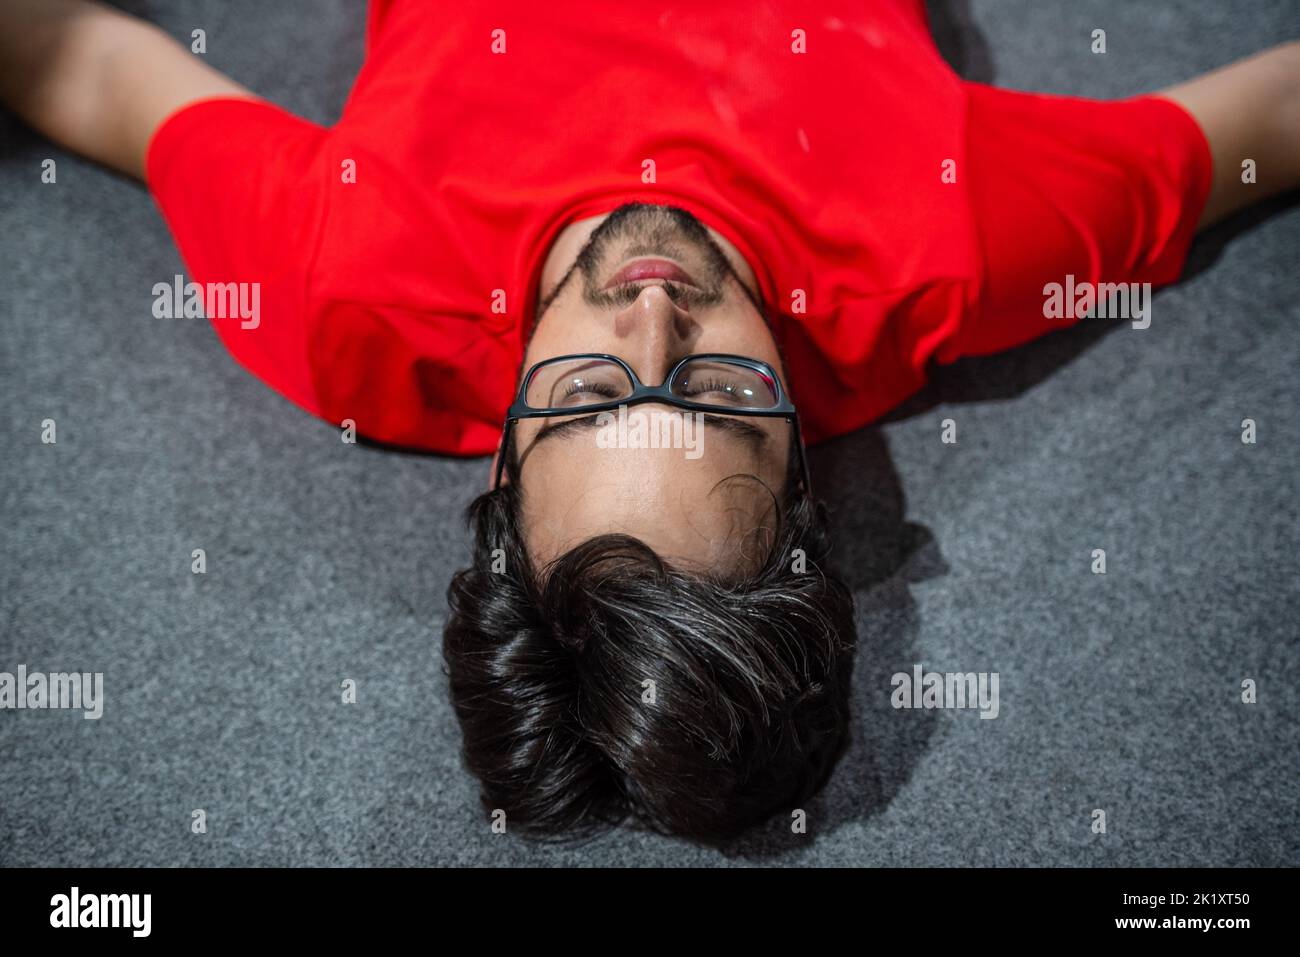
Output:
[[654, 334]]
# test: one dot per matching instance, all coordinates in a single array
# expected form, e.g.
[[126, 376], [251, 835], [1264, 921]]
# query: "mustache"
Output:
[[627, 293], [643, 230]]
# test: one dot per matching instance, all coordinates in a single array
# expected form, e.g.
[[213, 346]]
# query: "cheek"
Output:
[[561, 331], [741, 332]]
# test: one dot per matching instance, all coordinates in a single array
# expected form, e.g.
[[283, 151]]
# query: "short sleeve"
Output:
[[257, 197], [242, 185], [1101, 191]]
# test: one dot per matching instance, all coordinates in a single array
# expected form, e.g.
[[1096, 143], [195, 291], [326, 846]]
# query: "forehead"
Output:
[[687, 511]]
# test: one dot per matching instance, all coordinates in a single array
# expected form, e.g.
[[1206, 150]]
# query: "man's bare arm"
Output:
[[96, 80], [1248, 110]]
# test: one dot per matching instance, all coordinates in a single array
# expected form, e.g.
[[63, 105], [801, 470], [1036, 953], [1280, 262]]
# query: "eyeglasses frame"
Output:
[[641, 393]]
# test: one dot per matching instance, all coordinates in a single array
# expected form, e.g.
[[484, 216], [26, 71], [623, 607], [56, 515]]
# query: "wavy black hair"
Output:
[[610, 687]]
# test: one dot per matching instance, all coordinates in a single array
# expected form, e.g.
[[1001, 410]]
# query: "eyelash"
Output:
[[607, 391], [712, 385]]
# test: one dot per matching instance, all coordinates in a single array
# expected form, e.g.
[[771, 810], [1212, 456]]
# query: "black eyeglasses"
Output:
[[593, 382]]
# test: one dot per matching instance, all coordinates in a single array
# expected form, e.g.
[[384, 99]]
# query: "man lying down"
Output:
[[752, 223]]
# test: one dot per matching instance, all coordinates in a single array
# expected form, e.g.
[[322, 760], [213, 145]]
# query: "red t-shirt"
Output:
[[381, 297]]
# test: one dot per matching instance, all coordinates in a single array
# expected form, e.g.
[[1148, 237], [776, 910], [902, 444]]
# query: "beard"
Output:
[[640, 229]]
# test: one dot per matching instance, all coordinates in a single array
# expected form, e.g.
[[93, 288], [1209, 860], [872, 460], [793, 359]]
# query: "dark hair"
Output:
[[549, 677]]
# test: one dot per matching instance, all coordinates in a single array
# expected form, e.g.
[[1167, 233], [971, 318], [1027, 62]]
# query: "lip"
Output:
[[645, 268]]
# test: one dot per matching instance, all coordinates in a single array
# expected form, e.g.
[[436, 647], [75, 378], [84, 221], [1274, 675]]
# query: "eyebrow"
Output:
[[585, 423]]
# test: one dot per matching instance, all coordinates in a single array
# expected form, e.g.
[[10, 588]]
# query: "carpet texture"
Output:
[[327, 561]]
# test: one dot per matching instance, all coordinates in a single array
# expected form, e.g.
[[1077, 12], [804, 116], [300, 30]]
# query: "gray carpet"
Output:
[[328, 561]]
